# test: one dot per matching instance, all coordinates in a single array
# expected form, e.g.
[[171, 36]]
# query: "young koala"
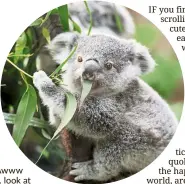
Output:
[[128, 121]]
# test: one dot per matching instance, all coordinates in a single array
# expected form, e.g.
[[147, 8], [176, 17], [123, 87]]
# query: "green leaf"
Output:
[[30, 36], [87, 85], [46, 134], [54, 11], [118, 21], [37, 22], [25, 112], [46, 17], [21, 42], [90, 16], [20, 45], [64, 17], [76, 27], [34, 122], [71, 106], [70, 109], [46, 34]]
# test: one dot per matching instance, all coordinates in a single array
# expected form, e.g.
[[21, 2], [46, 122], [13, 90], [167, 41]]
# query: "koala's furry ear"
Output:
[[142, 57], [61, 46]]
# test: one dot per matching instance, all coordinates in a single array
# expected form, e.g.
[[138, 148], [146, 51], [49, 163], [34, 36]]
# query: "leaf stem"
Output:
[[43, 151], [90, 16], [19, 55], [64, 62], [24, 79], [118, 20], [19, 68]]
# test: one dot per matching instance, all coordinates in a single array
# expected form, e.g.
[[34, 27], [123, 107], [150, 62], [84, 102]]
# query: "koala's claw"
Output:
[[40, 78], [80, 164], [80, 178], [79, 173], [75, 172], [81, 170]]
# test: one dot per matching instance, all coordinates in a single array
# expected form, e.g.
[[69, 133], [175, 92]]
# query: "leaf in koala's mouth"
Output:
[[87, 85]]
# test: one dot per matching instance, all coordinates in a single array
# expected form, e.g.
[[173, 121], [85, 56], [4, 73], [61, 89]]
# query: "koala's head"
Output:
[[110, 63]]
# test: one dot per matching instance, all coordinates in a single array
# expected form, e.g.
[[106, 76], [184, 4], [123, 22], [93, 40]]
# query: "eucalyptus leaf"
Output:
[[90, 17], [20, 45], [46, 34], [25, 112], [70, 109], [87, 85], [37, 22], [46, 17], [76, 27], [21, 42], [46, 134], [69, 112], [118, 21], [34, 122], [64, 17]]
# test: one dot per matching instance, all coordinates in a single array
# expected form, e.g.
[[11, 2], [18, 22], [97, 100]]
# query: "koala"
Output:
[[128, 122]]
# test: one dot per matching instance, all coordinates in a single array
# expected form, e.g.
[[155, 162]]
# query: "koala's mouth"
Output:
[[96, 87], [94, 79]]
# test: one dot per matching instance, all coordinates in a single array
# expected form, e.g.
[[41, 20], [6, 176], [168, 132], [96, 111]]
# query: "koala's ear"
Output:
[[142, 57], [61, 46]]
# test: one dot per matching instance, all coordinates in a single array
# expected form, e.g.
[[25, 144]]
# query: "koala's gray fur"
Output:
[[128, 121]]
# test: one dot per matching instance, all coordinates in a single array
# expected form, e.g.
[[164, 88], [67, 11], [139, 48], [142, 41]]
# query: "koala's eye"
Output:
[[80, 59], [108, 66]]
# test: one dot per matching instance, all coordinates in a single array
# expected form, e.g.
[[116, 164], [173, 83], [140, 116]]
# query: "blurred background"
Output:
[[30, 54], [167, 78]]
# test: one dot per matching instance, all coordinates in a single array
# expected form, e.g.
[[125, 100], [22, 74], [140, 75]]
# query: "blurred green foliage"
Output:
[[167, 74]]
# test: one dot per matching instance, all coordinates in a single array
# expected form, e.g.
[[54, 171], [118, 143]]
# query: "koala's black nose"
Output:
[[91, 66], [88, 75]]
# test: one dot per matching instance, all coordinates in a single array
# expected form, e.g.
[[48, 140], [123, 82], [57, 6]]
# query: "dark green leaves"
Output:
[[64, 17], [25, 112]]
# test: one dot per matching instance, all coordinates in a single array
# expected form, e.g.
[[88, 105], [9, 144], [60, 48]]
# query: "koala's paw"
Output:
[[82, 171], [41, 79]]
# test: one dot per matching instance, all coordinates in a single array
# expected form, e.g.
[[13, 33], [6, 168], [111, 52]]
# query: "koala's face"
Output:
[[108, 62]]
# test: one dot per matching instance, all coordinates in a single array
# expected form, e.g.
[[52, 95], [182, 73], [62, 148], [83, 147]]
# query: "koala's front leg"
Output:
[[104, 166], [51, 95]]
